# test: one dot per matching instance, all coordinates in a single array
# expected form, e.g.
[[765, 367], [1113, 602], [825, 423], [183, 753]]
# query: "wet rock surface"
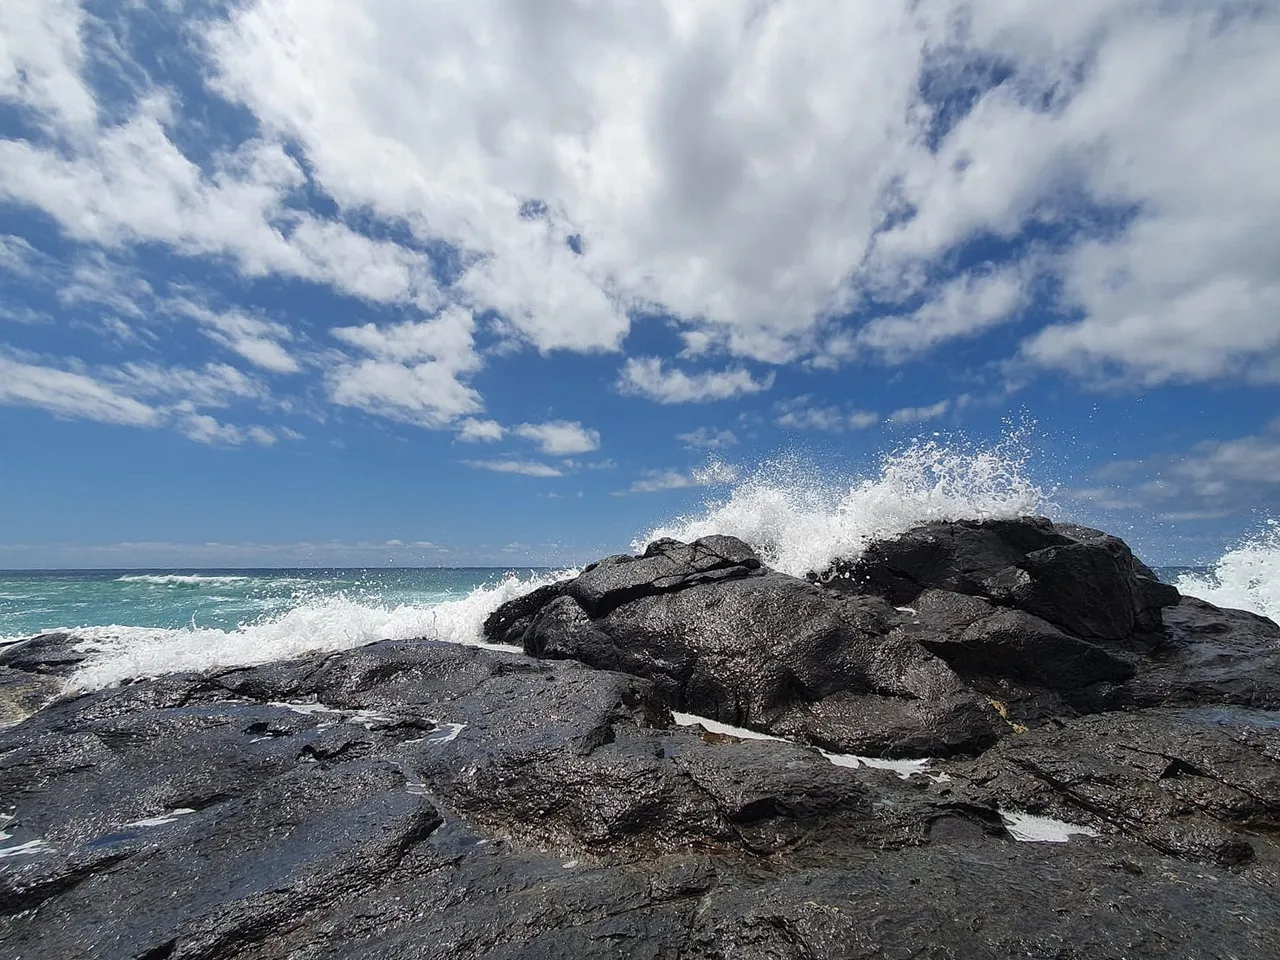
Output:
[[418, 799]]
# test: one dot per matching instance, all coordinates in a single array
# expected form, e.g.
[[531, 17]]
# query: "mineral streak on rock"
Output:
[[415, 799]]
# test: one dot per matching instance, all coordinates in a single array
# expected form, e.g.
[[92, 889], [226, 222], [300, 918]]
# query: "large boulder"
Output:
[[1083, 581], [721, 637]]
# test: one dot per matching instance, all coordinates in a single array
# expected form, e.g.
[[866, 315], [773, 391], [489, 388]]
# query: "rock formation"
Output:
[[419, 799]]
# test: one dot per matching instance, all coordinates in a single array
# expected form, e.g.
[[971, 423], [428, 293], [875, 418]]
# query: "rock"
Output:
[[1010, 643], [22, 694], [415, 799], [32, 672], [1185, 783], [959, 556], [722, 638], [50, 654], [1211, 656], [1080, 580]]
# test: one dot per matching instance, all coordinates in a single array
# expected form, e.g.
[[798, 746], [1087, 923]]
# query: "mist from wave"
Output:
[[1246, 577], [799, 518]]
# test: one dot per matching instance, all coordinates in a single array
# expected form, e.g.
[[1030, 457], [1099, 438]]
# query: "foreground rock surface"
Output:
[[417, 799]]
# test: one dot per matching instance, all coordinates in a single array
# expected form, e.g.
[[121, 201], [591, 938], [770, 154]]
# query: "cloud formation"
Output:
[[787, 182], [648, 377]]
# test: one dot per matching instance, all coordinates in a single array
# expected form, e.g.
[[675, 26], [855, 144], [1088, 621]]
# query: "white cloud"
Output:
[[758, 171], [428, 393], [560, 438], [645, 376], [964, 307], [214, 385], [41, 59], [920, 414], [706, 438], [800, 414], [417, 371], [527, 468], [480, 431], [68, 394], [715, 473], [255, 339]]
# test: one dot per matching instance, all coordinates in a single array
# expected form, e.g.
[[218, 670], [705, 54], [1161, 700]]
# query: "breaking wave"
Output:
[[1246, 577], [329, 624], [181, 579], [799, 520]]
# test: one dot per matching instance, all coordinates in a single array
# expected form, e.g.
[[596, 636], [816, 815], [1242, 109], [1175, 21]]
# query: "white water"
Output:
[[1246, 577], [903, 768], [1029, 828], [122, 653], [180, 579], [798, 520], [793, 514]]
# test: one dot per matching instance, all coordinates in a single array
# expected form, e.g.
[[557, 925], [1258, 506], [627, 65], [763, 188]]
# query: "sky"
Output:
[[503, 281]]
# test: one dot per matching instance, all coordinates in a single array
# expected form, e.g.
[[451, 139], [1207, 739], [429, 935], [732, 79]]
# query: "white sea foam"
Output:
[[799, 520], [903, 768], [181, 579], [162, 819], [31, 848], [334, 623], [1247, 577], [1029, 828]]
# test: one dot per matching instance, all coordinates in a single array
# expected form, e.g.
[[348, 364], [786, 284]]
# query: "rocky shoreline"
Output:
[[414, 799]]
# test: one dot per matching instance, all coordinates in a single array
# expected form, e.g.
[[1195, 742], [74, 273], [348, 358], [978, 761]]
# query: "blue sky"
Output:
[[490, 282]]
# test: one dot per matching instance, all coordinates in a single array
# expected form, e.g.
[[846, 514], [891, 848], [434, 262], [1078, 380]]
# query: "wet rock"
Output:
[[32, 673], [1211, 656], [724, 639], [414, 799], [411, 800], [49, 654]]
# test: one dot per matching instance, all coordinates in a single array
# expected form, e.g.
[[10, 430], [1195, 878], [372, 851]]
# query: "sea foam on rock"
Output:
[[419, 799]]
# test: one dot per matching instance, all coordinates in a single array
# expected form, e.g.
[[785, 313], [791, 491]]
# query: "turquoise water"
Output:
[[36, 601]]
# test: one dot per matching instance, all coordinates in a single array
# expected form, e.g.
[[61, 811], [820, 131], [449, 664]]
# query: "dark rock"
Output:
[[32, 673], [421, 800], [761, 649], [411, 800], [50, 654], [959, 556], [1011, 643], [22, 694], [1211, 656], [1088, 589]]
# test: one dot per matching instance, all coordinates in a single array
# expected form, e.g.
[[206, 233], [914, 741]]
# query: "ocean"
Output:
[[142, 623]]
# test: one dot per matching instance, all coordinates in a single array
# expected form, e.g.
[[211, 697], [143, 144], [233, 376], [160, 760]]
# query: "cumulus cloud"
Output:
[[715, 473], [801, 413], [706, 438], [560, 438], [964, 307], [417, 370], [1212, 479], [920, 414], [255, 339], [480, 431], [214, 385], [203, 428], [527, 468], [647, 377], [782, 181]]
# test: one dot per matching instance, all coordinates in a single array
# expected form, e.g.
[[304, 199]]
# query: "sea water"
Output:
[[145, 623]]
